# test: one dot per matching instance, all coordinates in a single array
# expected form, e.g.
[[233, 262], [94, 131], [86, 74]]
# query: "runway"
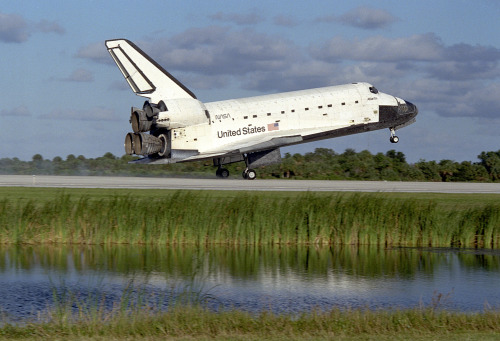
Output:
[[247, 185]]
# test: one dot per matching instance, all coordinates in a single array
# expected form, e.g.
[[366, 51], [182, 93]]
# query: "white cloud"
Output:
[[216, 50], [296, 76], [367, 18], [454, 70], [96, 52], [80, 75], [481, 102], [13, 28], [20, 111], [250, 18], [286, 21], [422, 47], [46, 26]]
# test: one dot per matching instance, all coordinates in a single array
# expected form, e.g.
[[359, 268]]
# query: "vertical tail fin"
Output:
[[145, 76]]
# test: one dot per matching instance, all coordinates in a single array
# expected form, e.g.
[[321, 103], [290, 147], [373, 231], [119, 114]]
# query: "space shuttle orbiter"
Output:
[[174, 126]]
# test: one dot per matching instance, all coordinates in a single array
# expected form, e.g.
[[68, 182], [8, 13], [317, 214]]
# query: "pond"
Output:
[[281, 279]]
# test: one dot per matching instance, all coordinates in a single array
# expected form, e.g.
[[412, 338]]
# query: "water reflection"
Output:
[[254, 278]]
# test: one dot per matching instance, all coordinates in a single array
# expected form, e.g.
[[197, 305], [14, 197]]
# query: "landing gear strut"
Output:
[[248, 173], [394, 138]]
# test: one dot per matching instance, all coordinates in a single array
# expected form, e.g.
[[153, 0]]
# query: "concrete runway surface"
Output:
[[241, 184]]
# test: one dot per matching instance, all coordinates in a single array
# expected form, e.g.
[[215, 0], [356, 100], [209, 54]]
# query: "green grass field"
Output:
[[100, 216]]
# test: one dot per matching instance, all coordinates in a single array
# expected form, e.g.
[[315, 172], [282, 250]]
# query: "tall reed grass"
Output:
[[197, 322], [248, 218]]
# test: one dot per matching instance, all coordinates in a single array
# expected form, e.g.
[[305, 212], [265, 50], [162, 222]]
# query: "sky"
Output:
[[62, 94]]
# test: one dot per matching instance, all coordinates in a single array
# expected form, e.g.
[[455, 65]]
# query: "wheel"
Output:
[[251, 174], [394, 139], [222, 173], [244, 174]]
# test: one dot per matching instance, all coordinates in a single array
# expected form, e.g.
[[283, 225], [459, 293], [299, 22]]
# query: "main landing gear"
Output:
[[394, 138], [222, 172], [249, 174]]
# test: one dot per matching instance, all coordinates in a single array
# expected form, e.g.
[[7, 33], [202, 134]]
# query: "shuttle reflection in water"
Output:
[[284, 279]]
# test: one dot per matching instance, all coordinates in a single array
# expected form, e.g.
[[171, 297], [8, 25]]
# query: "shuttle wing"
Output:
[[146, 77], [250, 147]]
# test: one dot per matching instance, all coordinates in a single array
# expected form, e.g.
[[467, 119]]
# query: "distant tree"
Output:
[[357, 165], [324, 153], [412, 173], [40, 166], [389, 174], [37, 163], [128, 158], [323, 163], [70, 166], [366, 166], [299, 158], [37, 158], [381, 162], [320, 164], [288, 166], [430, 170], [468, 171], [491, 162], [349, 152], [447, 169], [398, 156]]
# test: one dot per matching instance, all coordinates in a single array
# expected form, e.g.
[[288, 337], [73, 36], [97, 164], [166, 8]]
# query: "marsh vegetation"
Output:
[[242, 218], [189, 308], [307, 232], [195, 322]]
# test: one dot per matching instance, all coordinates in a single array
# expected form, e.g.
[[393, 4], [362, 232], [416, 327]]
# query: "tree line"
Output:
[[323, 163]]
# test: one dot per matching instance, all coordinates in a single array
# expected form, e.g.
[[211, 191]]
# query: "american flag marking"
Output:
[[273, 126]]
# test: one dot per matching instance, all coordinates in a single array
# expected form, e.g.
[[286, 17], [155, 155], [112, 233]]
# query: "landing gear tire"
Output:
[[249, 174], [394, 139], [222, 173]]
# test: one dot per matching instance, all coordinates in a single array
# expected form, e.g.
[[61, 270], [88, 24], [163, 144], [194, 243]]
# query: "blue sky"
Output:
[[62, 94]]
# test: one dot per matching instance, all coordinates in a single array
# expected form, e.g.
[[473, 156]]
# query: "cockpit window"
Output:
[[373, 90]]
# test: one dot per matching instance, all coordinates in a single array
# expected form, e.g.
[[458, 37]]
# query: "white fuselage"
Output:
[[233, 123]]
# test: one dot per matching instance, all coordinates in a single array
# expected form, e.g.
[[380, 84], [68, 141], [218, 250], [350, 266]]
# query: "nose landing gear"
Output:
[[393, 138]]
